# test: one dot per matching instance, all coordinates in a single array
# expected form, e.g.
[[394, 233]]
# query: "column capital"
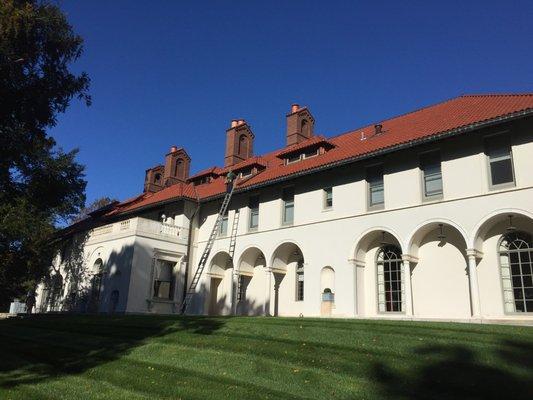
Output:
[[356, 263], [410, 258], [474, 253]]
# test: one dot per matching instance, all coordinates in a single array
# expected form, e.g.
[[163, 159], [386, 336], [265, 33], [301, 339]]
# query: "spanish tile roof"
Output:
[[451, 116], [252, 161], [315, 141]]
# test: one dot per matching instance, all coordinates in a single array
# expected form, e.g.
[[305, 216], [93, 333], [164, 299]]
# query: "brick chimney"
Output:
[[239, 142], [153, 180], [177, 165], [300, 125]]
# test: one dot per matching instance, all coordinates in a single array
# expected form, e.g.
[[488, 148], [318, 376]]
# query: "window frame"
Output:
[[224, 218], [376, 206], [507, 253], [425, 196], [325, 192], [284, 205], [251, 213], [487, 138], [403, 302], [172, 282]]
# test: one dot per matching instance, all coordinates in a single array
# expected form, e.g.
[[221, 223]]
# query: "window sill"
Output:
[[252, 230], [287, 224], [377, 207], [502, 186], [432, 199], [327, 209]]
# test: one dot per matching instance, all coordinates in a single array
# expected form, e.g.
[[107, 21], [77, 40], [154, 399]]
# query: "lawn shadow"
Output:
[[457, 372], [41, 347]]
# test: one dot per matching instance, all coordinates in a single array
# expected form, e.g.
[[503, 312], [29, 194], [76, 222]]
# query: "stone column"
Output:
[[472, 254], [235, 286], [268, 291], [408, 293], [231, 292], [353, 266]]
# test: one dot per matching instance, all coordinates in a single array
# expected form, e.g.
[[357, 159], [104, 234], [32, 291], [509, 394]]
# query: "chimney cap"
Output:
[[294, 107], [173, 148], [234, 123]]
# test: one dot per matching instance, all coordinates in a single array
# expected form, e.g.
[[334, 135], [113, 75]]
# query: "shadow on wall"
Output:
[[209, 302], [98, 285], [454, 372], [40, 347]]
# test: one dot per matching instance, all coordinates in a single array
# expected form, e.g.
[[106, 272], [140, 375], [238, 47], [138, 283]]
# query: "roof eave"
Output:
[[386, 150]]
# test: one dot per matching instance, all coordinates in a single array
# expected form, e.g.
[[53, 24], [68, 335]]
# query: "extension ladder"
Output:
[[205, 255]]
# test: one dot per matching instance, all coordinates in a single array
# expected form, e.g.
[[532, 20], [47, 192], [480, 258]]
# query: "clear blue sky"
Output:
[[176, 72]]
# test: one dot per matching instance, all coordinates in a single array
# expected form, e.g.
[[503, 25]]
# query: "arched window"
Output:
[[178, 173], [516, 264], [305, 128], [390, 279], [300, 280], [157, 178], [243, 146], [96, 285]]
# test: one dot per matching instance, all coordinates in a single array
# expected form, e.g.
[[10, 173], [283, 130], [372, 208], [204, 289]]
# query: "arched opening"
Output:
[[516, 265], [250, 282], [374, 255], [157, 178], [289, 280], [439, 278], [327, 291], [491, 233], [96, 285], [243, 146], [220, 284], [390, 279]]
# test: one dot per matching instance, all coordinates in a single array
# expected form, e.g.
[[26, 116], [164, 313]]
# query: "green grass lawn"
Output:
[[137, 357]]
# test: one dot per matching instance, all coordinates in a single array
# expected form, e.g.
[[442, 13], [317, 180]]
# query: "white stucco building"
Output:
[[428, 215]]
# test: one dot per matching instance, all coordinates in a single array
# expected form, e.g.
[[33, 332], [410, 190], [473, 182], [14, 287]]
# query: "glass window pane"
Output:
[[501, 171], [288, 212], [223, 230]]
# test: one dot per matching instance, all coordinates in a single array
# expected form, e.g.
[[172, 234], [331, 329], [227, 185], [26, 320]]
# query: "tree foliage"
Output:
[[40, 184], [95, 205]]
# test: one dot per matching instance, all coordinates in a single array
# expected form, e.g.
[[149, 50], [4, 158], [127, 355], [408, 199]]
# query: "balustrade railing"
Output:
[[142, 225]]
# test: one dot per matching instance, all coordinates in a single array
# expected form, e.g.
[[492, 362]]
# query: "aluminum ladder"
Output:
[[205, 255], [233, 238]]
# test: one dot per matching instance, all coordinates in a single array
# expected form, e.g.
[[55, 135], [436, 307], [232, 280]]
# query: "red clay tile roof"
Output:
[[451, 116], [315, 141], [207, 171], [252, 161]]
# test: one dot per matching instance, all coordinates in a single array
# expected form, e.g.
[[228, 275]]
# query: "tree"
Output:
[[40, 184], [95, 205]]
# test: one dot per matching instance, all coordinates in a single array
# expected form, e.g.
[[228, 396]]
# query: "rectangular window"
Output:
[[293, 158], [164, 280], [498, 150], [288, 206], [223, 227], [430, 165], [376, 195], [253, 205], [311, 153], [328, 198]]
